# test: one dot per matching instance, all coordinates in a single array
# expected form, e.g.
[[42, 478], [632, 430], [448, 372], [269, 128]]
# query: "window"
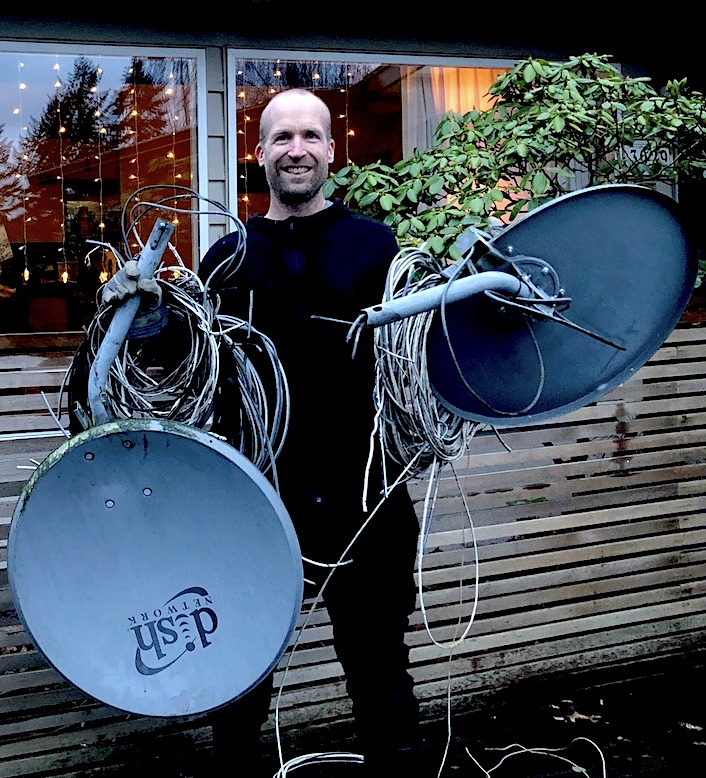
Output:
[[81, 133], [379, 110]]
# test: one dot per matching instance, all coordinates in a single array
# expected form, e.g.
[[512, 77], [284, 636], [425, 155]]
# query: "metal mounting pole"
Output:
[[148, 262], [429, 299]]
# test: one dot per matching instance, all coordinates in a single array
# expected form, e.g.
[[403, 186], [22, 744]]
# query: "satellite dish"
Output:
[[620, 253], [155, 567]]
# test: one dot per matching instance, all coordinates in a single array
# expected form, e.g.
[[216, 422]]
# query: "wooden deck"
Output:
[[591, 554]]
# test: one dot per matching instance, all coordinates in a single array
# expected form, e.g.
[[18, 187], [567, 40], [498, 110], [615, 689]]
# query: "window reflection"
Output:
[[379, 112], [78, 136]]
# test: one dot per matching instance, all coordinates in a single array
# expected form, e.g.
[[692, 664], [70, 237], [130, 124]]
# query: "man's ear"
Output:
[[260, 155], [331, 148]]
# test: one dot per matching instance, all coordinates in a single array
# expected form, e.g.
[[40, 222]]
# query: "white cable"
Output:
[[414, 425]]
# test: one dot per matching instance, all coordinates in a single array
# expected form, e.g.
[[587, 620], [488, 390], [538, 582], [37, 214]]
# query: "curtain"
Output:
[[429, 92]]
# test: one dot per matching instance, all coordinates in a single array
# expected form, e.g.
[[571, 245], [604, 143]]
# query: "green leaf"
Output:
[[403, 228], [386, 202], [540, 183], [329, 188], [368, 199], [436, 244], [436, 184], [529, 72]]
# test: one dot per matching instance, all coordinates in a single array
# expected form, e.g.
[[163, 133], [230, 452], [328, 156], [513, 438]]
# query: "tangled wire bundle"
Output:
[[415, 429], [175, 377]]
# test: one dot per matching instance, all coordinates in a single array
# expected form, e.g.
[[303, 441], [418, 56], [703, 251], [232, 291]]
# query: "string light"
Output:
[[347, 115], [133, 131], [171, 154], [244, 198], [62, 200], [104, 274], [24, 179]]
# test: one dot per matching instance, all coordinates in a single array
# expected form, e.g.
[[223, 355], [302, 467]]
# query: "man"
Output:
[[310, 267]]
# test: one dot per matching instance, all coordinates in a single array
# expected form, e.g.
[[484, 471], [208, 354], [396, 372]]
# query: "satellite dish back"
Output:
[[155, 567], [621, 254]]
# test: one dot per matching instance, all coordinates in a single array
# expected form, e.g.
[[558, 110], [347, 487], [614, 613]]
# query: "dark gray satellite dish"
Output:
[[618, 254], [155, 567]]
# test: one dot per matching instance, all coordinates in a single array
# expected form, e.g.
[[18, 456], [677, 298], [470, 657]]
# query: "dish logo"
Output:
[[184, 623]]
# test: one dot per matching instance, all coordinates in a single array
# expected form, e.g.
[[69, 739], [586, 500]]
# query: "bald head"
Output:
[[286, 101]]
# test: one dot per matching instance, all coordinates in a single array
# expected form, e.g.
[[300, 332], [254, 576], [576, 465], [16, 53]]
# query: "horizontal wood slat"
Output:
[[590, 535]]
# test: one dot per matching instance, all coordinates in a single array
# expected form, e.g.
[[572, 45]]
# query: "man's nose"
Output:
[[296, 147]]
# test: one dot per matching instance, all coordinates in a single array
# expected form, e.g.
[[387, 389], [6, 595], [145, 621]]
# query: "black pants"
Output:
[[369, 602]]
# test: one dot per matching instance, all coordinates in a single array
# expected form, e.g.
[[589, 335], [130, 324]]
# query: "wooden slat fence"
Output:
[[591, 551]]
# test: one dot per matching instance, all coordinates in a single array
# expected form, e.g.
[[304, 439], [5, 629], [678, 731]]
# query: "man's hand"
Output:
[[127, 282], [151, 316]]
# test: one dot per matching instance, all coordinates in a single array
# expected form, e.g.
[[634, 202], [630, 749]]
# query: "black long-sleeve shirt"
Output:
[[310, 278]]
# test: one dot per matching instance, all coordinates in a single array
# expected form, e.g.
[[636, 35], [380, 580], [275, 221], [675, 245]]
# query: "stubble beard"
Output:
[[294, 196]]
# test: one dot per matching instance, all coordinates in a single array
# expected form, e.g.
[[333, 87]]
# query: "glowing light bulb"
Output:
[[23, 85], [25, 275], [170, 155], [65, 276], [103, 276], [16, 111], [176, 273]]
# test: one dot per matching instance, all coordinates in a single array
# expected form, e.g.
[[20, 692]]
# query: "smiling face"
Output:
[[295, 150]]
